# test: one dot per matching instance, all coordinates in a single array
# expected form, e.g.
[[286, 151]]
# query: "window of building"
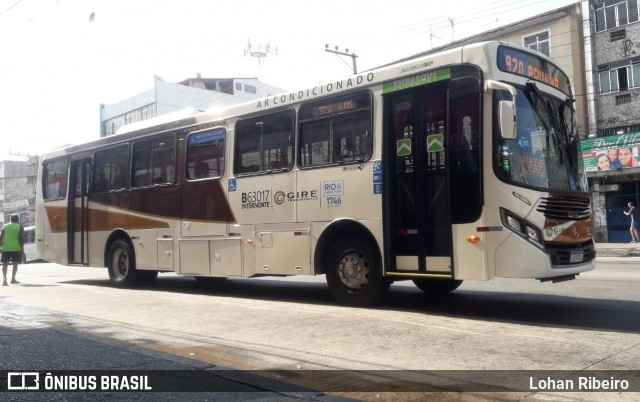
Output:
[[23, 217], [111, 126], [54, 179], [336, 130], [623, 99], [613, 80], [205, 154], [539, 42], [111, 168], [605, 132], [618, 35], [635, 73], [153, 161], [264, 143], [147, 112], [619, 79], [614, 13], [133, 116]]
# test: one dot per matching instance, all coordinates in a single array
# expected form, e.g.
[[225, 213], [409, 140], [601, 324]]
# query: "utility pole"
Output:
[[345, 53]]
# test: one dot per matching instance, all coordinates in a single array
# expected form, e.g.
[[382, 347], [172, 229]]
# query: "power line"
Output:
[[10, 7], [438, 24]]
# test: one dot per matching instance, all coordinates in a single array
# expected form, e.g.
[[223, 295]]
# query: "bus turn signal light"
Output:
[[473, 239]]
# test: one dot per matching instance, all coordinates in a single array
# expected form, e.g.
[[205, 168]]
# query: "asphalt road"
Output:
[[293, 324]]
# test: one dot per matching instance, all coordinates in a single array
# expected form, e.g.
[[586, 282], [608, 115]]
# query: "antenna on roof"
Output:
[[261, 51]]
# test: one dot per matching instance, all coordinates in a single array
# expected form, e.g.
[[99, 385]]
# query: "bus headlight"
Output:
[[533, 234], [521, 227], [514, 223]]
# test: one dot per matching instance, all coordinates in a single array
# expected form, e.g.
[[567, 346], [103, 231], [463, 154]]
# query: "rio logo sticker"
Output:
[[332, 192]]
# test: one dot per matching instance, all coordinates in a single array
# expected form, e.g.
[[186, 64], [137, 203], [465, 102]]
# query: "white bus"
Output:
[[459, 165], [30, 251]]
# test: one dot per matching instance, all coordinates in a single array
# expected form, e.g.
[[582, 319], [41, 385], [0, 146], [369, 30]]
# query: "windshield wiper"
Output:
[[534, 103], [560, 139]]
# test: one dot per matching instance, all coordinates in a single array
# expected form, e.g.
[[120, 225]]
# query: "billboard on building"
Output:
[[614, 152]]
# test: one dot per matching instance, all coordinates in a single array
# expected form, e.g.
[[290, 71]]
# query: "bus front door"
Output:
[[77, 218], [418, 237]]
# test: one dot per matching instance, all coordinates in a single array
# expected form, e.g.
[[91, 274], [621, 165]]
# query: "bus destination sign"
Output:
[[206, 136], [345, 104], [533, 67], [334, 107]]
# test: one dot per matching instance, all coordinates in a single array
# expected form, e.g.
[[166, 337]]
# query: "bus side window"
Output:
[[264, 143], [335, 130], [154, 161], [205, 154], [54, 178], [109, 167], [315, 143]]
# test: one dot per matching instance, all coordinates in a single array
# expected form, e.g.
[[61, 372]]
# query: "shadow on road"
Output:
[[512, 307]]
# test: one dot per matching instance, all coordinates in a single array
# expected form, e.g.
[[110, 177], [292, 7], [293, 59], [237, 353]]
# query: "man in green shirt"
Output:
[[12, 242]]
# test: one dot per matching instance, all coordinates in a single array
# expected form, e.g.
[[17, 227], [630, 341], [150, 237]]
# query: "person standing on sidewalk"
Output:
[[635, 221], [12, 242]]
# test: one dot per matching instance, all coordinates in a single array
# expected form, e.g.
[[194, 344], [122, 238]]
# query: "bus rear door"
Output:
[[77, 218]]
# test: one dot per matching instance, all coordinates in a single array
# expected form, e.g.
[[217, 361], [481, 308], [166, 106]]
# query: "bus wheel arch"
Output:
[[117, 234], [350, 257]]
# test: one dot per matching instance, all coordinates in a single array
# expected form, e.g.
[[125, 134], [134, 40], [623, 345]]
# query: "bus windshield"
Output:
[[544, 155]]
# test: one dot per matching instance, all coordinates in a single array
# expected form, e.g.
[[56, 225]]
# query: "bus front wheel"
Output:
[[354, 272], [122, 264], [437, 286]]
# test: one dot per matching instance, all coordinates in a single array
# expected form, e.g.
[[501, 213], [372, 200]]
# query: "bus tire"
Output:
[[437, 286], [354, 272], [122, 264]]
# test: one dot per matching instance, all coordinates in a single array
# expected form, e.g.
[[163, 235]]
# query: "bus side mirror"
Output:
[[507, 119], [506, 109]]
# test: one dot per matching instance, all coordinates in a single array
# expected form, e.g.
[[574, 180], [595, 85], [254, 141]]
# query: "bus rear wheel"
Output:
[[437, 286], [122, 267], [354, 272], [121, 264]]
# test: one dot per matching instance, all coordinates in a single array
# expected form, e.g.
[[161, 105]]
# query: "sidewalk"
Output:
[[626, 252]]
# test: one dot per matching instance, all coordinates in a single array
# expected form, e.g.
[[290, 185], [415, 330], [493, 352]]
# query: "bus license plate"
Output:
[[576, 256]]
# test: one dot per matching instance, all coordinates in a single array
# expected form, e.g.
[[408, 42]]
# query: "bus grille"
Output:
[[561, 253], [565, 207]]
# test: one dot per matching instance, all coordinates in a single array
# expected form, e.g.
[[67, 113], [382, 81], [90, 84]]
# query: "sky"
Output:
[[61, 59]]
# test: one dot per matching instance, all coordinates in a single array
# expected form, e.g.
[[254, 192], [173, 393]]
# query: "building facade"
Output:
[[612, 153], [18, 175], [197, 93]]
